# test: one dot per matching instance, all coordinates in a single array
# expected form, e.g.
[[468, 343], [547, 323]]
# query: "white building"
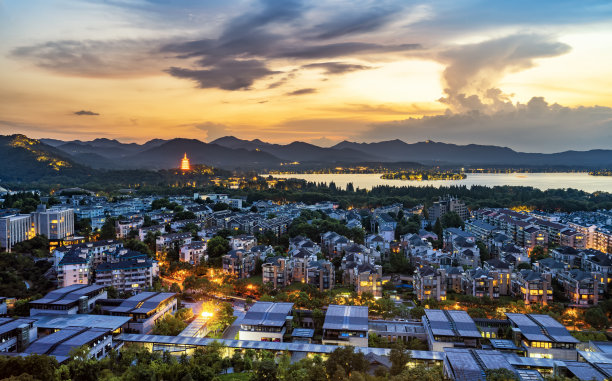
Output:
[[194, 252], [13, 229], [55, 223], [265, 321]]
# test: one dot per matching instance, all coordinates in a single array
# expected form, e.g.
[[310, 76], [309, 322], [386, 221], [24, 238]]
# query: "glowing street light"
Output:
[[207, 315]]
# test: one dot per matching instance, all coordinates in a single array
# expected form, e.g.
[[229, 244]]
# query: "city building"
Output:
[[276, 271], [450, 328], [239, 262], [266, 321], [445, 205], [55, 223], [144, 309], [130, 276], [193, 253], [15, 228], [533, 287], [429, 283], [346, 325], [542, 336], [68, 300]]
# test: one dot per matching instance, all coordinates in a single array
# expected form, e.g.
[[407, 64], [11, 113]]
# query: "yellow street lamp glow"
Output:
[[207, 314]]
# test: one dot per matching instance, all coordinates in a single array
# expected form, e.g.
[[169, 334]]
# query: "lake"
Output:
[[582, 181]]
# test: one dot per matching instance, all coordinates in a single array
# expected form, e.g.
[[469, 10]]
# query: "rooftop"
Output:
[[354, 318], [267, 314]]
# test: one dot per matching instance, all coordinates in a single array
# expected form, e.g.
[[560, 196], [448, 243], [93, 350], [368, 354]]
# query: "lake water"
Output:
[[582, 181]]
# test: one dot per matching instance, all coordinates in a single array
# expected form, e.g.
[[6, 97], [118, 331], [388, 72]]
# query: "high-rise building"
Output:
[[15, 228], [448, 204], [55, 223]]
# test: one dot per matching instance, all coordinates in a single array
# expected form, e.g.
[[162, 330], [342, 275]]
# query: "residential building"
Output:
[[129, 276], [166, 241], [445, 205], [321, 274], [533, 287], [542, 337], [15, 228], [55, 223], [240, 263], [430, 283], [449, 329], [193, 253], [582, 288], [276, 271], [346, 325], [68, 300], [265, 321], [144, 309]]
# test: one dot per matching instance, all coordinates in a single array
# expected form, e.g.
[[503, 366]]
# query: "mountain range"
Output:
[[231, 153]]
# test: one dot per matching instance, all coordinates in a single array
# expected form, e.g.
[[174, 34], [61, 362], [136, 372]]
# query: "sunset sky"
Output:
[[530, 75]]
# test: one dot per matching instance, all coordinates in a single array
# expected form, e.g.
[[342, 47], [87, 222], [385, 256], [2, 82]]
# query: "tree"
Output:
[[217, 247], [108, 230], [596, 318], [399, 358], [537, 253], [417, 312], [264, 370], [485, 255], [501, 374], [452, 220], [346, 361], [437, 229]]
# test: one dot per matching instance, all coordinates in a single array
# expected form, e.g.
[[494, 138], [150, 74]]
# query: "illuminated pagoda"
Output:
[[185, 163]]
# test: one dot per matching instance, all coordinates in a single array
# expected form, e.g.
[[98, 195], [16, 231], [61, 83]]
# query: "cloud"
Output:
[[336, 67], [352, 23], [473, 70], [227, 75], [117, 58], [536, 126], [302, 92], [213, 130], [85, 112], [279, 30]]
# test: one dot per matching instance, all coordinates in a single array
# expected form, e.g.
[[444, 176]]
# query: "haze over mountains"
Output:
[[233, 153]]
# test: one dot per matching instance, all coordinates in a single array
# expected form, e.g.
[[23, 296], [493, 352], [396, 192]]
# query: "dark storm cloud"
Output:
[[302, 92], [227, 75], [85, 112], [336, 67]]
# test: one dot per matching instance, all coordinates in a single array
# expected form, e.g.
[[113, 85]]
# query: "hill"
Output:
[[25, 159], [168, 155]]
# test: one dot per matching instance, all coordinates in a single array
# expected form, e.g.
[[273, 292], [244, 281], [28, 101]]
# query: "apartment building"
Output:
[[15, 228], [321, 274], [130, 276], [346, 325], [276, 271], [193, 253], [445, 205], [430, 283], [240, 263], [55, 223], [533, 287], [582, 288]]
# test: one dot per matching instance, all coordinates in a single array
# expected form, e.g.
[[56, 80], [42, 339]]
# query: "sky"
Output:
[[535, 76]]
